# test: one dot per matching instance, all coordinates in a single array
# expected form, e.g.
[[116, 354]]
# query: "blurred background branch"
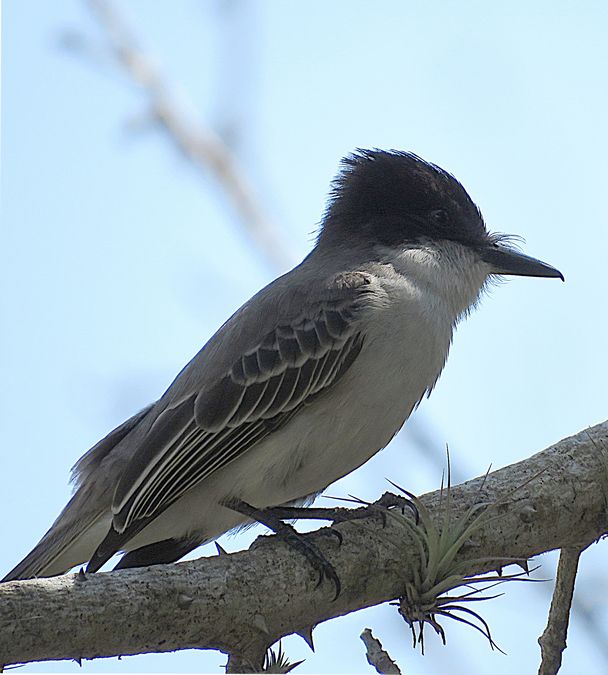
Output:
[[198, 143]]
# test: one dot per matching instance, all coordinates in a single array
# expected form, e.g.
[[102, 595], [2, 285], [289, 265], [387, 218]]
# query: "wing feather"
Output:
[[262, 390], [268, 359], [249, 402], [268, 399]]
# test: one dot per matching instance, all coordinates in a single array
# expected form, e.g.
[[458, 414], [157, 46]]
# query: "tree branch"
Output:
[[553, 640], [377, 656], [241, 603]]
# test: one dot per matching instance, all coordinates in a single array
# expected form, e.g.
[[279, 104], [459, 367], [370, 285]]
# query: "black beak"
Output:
[[505, 260]]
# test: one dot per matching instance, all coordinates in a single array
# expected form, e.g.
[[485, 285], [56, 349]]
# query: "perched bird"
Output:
[[303, 384]]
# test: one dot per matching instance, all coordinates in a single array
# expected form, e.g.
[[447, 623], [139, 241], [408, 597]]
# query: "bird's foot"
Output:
[[272, 518]]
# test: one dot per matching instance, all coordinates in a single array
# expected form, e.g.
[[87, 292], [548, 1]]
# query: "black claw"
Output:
[[337, 534], [316, 559], [415, 511], [389, 500], [334, 577], [326, 571]]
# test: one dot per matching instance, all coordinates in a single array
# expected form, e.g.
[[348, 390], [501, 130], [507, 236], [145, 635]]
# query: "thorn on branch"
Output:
[[306, 635]]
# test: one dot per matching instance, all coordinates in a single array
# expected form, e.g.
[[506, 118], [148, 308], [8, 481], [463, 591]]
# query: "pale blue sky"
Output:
[[119, 260]]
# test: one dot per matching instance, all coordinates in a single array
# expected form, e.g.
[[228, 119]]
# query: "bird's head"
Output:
[[392, 199]]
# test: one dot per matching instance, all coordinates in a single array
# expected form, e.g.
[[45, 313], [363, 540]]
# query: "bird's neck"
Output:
[[446, 274]]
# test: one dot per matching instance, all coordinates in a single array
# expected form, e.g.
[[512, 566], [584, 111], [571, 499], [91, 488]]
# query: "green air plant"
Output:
[[429, 595], [277, 662]]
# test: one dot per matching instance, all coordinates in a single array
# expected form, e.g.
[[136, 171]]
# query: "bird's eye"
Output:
[[440, 217]]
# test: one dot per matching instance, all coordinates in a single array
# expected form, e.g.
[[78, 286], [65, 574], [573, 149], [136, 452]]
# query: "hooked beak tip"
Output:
[[506, 260]]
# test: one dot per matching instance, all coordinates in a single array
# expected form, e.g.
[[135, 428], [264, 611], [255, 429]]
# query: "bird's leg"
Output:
[[273, 522], [341, 515], [309, 513]]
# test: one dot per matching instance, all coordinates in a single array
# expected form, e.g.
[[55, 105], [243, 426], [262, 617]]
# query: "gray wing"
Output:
[[289, 367]]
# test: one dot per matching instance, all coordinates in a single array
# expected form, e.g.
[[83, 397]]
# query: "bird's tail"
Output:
[[69, 542], [85, 521]]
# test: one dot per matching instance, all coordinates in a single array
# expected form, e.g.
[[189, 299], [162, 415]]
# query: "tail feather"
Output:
[[114, 542], [84, 522], [62, 548]]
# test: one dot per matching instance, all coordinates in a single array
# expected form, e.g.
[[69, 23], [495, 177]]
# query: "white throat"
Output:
[[447, 273]]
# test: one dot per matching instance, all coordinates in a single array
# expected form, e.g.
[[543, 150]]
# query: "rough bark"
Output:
[[553, 640], [377, 656], [241, 603]]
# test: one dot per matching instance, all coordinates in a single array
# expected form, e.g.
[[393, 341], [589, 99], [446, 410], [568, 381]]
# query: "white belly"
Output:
[[361, 414]]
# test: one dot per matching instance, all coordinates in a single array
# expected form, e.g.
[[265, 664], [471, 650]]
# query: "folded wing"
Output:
[[289, 368]]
